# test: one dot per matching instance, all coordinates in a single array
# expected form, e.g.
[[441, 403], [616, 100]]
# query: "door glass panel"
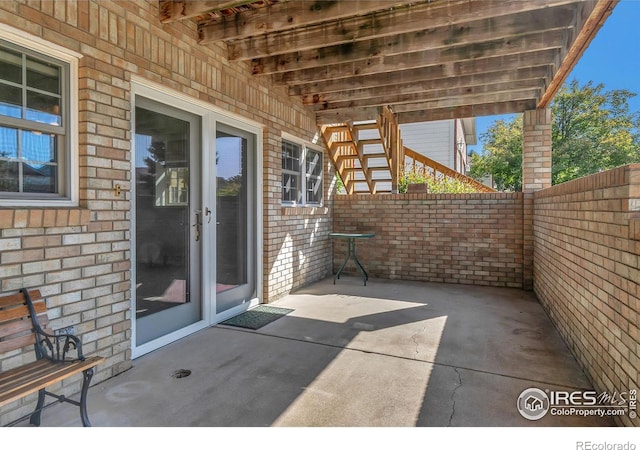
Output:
[[235, 217], [165, 238]]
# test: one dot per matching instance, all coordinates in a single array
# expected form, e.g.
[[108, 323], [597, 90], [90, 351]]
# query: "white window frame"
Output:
[[303, 175], [68, 171], [294, 173]]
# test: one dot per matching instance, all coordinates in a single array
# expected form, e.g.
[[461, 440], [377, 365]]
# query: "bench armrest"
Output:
[[49, 346], [61, 347]]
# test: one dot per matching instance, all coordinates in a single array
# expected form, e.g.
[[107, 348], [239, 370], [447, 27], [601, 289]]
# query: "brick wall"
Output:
[[587, 272], [536, 175], [82, 270], [80, 257], [299, 249], [461, 238]]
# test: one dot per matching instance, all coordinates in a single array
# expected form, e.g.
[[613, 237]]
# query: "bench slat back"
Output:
[[16, 327]]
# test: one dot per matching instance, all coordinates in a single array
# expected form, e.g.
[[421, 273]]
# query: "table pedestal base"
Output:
[[351, 254]]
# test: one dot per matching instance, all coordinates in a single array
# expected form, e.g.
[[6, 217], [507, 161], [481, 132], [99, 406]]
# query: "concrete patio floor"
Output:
[[386, 354]]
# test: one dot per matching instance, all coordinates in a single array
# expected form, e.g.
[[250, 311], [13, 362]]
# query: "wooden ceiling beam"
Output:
[[538, 73], [411, 24], [314, 69], [508, 64], [478, 110], [427, 59], [353, 115], [445, 102], [523, 46], [392, 97], [175, 10], [460, 112], [589, 20], [289, 15], [476, 99], [370, 81]]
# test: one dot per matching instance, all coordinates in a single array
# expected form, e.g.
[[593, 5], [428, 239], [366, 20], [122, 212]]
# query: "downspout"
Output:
[[455, 145]]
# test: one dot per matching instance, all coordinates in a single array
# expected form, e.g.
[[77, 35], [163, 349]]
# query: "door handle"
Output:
[[196, 226], [208, 213]]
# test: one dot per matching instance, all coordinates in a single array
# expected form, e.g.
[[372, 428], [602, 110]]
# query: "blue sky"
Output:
[[612, 58]]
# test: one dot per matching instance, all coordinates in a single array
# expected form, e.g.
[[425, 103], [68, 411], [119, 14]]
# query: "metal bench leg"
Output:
[[86, 380], [35, 417]]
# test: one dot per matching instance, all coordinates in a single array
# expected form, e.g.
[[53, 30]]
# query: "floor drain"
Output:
[[182, 373]]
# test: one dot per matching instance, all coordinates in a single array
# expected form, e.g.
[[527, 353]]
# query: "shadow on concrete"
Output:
[[388, 354]]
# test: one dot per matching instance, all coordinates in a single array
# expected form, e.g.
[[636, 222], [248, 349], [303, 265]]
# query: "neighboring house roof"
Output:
[[469, 125]]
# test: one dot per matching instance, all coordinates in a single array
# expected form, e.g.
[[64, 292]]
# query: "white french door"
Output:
[[234, 188], [196, 216], [167, 205]]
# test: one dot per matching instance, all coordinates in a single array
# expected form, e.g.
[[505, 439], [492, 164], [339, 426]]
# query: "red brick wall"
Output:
[[587, 274], [462, 238]]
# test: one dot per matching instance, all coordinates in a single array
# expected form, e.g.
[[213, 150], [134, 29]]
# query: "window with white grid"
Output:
[[34, 128], [302, 174]]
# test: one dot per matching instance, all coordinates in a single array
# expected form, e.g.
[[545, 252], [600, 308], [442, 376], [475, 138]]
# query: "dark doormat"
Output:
[[257, 317]]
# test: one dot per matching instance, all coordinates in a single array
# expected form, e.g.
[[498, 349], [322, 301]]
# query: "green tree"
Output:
[[502, 155], [593, 130]]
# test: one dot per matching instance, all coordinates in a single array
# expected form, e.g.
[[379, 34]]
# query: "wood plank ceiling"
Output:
[[427, 60]]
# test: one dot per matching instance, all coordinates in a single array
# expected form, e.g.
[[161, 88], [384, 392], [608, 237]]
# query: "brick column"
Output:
[[536, 175], [536, 150]]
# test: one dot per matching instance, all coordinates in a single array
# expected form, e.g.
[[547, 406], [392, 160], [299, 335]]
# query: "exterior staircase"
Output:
[[370, 158]]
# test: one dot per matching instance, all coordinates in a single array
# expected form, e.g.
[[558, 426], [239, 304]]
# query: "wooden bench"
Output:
[[23, 321]]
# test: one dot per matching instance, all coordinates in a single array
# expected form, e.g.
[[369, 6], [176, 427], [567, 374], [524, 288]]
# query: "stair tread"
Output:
[[336, 128], [365, 126]]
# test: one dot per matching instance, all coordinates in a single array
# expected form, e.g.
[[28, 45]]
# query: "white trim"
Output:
[[36, 43], [72, 172], [452, 138], [164, 340], [208, 228], [135, 351], [149, 86], [155, 344], [290, 137], [259, 216]]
